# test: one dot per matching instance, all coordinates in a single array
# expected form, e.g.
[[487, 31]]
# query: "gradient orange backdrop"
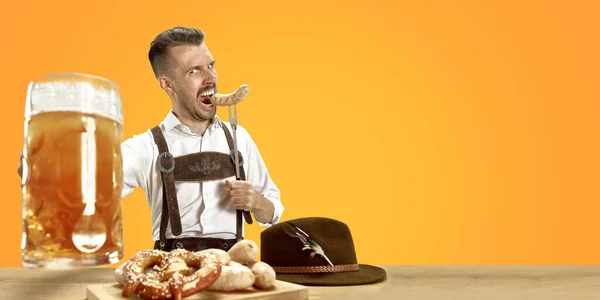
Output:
[[440, 132]]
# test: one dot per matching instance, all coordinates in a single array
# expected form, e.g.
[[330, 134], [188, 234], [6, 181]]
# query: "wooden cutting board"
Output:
[[281, 290]]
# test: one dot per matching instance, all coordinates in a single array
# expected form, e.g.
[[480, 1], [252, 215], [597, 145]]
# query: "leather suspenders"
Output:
[[170, 207]]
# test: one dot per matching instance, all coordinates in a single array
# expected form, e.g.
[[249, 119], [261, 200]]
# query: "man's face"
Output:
[[193, 79]]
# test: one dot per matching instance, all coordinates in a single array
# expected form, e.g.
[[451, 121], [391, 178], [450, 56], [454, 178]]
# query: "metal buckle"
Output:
[[160, 164], [178, 245], [240, 157]]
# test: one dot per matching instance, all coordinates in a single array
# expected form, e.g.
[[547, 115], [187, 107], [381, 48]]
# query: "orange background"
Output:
[[440, 132]]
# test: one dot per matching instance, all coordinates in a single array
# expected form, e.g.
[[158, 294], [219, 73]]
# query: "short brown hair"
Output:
[[170, 38]]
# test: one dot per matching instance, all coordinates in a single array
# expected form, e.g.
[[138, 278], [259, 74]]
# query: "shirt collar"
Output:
[[171, 121]]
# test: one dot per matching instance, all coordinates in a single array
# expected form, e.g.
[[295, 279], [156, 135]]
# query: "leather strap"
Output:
[[246, 214], [164, 220], [316, 269], [196, 244], [166, 163]]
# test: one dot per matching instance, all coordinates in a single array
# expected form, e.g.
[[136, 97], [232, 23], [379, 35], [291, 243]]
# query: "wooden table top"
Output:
[[404, 282]]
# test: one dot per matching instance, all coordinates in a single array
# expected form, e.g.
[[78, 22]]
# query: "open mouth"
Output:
[[205, 98]]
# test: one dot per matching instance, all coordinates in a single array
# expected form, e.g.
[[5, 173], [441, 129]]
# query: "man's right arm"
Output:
[[137, 157], [136, 154]]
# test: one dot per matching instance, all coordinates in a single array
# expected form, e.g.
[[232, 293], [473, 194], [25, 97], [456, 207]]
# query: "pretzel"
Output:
[[174, 278]]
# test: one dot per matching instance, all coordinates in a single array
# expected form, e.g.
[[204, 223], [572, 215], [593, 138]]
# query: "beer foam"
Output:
[[80, 96]]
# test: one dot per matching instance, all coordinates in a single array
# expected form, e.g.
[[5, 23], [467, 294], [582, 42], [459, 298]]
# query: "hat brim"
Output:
[[366, 274]]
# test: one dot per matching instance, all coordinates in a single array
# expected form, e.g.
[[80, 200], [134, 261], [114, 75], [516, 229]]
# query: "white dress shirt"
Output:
[[205, 207]]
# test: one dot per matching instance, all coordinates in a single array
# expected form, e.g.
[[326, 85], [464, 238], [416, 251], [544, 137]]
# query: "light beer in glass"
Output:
[[72, 172]]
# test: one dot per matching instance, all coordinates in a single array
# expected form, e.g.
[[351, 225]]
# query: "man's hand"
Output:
[[245, 197], [242, 194]]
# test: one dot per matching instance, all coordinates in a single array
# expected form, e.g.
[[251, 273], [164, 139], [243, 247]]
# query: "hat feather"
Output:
[[308, 243]]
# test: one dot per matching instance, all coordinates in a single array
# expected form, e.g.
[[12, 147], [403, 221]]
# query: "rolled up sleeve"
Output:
[[258, 174], [136, 154]]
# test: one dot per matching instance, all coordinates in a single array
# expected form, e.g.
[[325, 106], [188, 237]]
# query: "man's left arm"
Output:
[[258, 193], [262, 209]]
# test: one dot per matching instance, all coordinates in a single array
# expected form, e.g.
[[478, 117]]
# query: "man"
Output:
[[191, 133], [185, 165]]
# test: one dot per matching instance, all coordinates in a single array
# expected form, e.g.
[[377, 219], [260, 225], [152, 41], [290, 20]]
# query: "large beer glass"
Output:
[[72, 172]]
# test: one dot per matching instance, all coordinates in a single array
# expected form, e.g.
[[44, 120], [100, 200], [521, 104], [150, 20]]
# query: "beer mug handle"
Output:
[[20, 167]]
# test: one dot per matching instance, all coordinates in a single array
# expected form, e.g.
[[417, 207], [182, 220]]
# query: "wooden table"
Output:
[[490, 283]]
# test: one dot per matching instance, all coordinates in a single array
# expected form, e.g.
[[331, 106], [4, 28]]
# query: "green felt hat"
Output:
[[315, 251]]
